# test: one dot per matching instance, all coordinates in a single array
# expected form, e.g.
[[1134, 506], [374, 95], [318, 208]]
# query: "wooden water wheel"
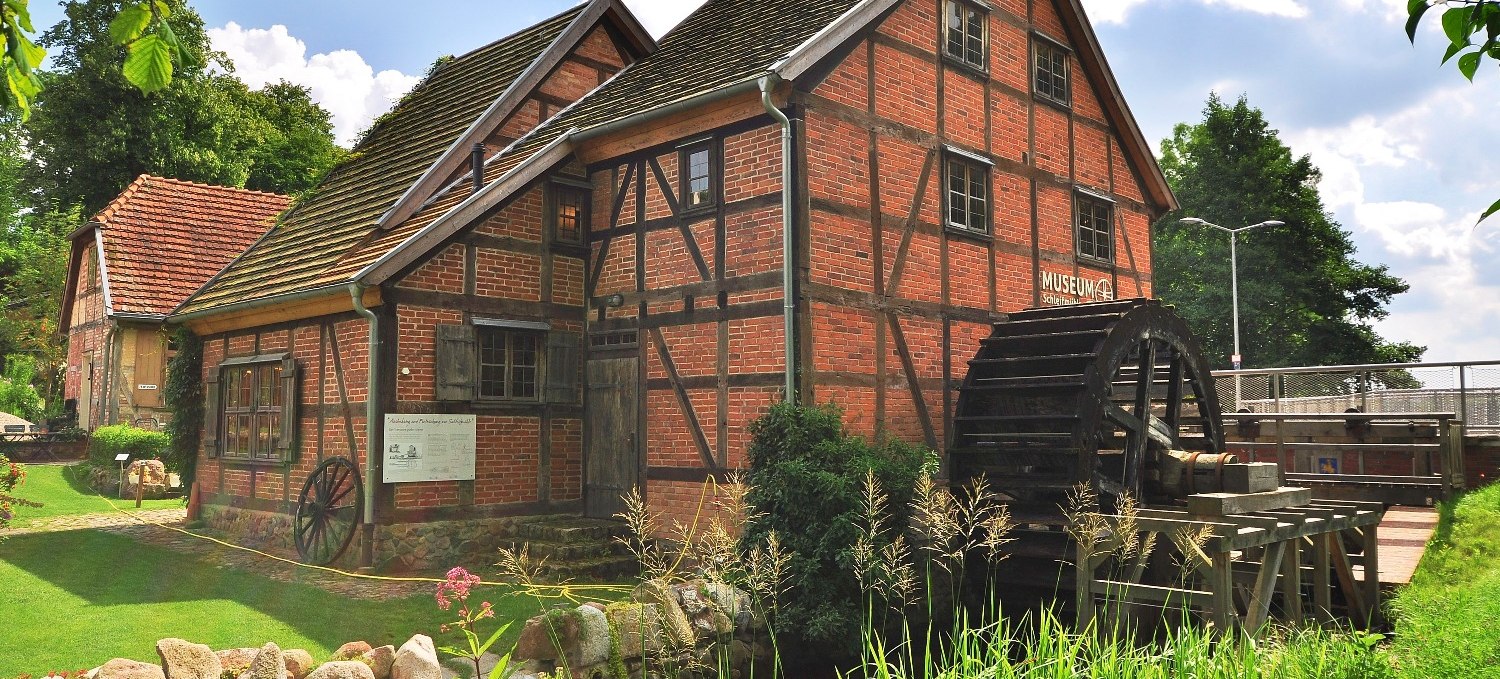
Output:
[[1092, 393]]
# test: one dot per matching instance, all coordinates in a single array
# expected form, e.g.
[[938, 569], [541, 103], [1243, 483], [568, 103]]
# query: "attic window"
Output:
[[697, 169], [1049, 71], [568, 212], [965, 34]]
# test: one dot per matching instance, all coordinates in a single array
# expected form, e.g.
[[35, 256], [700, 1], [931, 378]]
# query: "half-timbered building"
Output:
[[615, 253], [130, 265]]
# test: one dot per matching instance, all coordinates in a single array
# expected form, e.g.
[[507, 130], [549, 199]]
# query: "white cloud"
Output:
[[340, 80], [659, 16], [1116, 11]]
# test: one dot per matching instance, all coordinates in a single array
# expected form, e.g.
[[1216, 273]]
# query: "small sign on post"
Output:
[[1235, 359], [122, 458]]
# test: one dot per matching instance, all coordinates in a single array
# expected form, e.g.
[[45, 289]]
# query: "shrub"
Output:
[[141, 444], [17, 395], [806, 482], [184, 398]]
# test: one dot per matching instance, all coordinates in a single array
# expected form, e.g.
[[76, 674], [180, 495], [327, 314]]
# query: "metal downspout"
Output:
[[367, 544], [789, 304]]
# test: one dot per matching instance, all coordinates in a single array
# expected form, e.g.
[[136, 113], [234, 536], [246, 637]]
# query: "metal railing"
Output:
[[1469, 389]]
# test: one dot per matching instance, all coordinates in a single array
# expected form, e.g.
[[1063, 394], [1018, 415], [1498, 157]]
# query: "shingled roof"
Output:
[[399, 149], [723, 44], [163, 238]]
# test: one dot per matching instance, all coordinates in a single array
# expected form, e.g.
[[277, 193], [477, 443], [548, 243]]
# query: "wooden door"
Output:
[[611, 424], [86, 395]]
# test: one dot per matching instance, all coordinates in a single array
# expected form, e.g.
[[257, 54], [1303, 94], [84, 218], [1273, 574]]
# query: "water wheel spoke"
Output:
[[1174, 391]]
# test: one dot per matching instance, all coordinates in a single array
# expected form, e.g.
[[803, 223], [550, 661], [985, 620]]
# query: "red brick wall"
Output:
[[87, 332], [950, 285]]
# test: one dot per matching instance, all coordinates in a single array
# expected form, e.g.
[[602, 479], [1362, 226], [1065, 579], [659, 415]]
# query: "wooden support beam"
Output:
[[1221, 504], [1265, 585], [1372, 575], [1344, 569], [1322, 578], [1224, 615], [1291, 582]]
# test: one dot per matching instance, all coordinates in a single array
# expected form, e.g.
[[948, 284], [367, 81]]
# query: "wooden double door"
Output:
[[612, 434]]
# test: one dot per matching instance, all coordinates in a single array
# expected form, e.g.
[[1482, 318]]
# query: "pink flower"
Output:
[[485, 610]]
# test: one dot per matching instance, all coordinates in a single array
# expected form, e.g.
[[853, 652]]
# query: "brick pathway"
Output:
[[1403, 537]]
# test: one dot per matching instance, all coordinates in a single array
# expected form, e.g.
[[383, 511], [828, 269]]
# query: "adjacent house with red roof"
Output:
[[577, 262], [131, 265]]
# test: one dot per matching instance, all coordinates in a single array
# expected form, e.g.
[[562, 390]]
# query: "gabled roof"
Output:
[[400, 148], [724, 45], [163, 238]]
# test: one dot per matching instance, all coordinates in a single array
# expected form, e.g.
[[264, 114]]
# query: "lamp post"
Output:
[[1234, 286]]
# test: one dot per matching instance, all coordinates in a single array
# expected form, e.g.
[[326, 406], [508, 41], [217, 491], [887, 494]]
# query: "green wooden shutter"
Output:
[[211, 413], [457, 358], [562, 367], [287, 441]]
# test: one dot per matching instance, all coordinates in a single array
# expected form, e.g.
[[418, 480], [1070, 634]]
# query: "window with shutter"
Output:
[[456, 358], [562, 367], [256, 410]]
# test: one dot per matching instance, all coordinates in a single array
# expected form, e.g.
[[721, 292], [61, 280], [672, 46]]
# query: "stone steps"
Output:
[[577, 549]]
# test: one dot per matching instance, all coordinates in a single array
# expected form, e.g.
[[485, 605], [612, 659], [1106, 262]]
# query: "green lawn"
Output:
[[74, 599], [62, 492], [1448, 619]]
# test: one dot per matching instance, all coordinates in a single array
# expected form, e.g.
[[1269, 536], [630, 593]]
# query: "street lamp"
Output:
[[1234, 286]]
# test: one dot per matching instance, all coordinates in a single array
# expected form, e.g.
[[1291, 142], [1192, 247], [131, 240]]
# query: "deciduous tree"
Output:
[[1304, 299]]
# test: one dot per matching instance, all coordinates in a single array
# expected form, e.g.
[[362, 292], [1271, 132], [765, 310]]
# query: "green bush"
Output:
[[184, 397], [141, 444], [806, 482]]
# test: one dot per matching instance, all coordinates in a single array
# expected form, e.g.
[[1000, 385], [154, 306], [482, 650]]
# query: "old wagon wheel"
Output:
[[1092, 393], [328, 511]]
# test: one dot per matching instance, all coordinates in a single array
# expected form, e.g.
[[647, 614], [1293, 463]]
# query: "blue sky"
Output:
[[1408, 149]]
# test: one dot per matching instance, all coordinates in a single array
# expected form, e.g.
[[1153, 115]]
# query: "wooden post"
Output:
[[1372, 576], [1291, 581], [140, 485], [1222, 587], [1322, 581], [1344, 569]]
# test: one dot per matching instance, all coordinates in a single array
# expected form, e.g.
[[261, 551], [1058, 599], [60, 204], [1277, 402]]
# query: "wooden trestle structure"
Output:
[[1280, 552]]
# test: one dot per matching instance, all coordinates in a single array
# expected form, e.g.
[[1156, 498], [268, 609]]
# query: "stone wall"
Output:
[[398, 547]]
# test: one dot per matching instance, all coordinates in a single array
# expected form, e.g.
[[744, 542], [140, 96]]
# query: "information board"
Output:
[[429, 448]]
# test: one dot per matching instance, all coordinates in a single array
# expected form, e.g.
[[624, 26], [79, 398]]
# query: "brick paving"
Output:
[[1403, 537]]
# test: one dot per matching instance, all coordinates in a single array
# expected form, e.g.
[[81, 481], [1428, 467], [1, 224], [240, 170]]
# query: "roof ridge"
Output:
[[219, 187], [103, 215], [530, 27]]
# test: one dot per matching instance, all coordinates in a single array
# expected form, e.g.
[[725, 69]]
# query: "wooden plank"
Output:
[[903, 350], [694, 426], [918, 199], [1291, 581], [1221, 504], [1116, 590], [1322, 579], [1221, 583], [1344, 570], [1372, 574]]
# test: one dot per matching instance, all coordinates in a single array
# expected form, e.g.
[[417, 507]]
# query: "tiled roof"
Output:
[[722, 44], [163, 238], [344, 208]]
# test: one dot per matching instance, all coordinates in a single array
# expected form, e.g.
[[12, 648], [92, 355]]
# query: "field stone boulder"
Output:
[[342, 669], [416, 659], [182, 659], [268, 663], [236, 660], [379, 659], [299, 663], [593, 637], [121, 668], [732, 602], [351, 650], [637, 626], [155, 487], [550, 636]]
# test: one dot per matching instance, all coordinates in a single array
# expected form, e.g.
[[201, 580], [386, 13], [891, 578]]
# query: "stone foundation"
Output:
[[398, 547]]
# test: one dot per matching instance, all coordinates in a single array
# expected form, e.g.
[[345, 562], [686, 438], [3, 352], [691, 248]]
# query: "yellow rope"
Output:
[[565, 590]]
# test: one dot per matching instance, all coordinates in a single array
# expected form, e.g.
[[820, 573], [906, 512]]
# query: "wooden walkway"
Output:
[[1404, 533]]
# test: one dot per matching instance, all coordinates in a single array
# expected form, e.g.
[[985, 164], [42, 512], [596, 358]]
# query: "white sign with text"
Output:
[[429, 448]]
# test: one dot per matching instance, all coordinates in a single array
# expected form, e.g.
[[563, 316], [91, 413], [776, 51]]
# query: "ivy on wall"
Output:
[[184, 399]]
